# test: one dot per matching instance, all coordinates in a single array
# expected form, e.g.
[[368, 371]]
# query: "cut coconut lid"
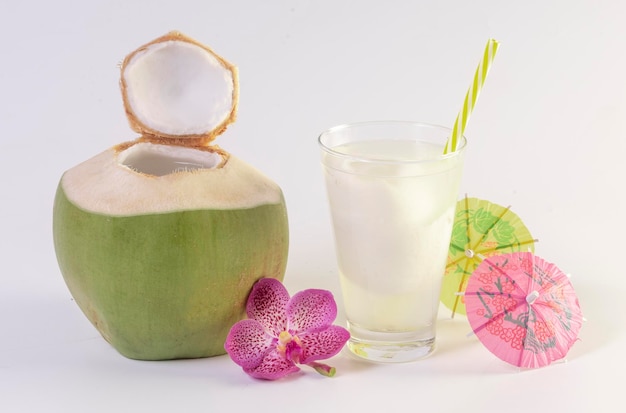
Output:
[[176, 89]]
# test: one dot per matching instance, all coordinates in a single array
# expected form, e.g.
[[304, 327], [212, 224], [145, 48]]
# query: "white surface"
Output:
[[548, 137]]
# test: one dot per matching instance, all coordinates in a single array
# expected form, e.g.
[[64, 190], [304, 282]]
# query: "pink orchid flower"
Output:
[[281, 332]]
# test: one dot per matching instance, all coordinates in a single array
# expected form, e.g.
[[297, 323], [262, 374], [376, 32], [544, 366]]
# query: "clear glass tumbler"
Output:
[[392, 195]]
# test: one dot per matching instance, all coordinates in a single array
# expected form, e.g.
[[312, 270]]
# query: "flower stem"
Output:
[[323, 369]]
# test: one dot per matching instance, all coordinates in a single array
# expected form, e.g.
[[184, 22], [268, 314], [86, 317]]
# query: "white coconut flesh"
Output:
[[150, 178], [159, 160], [177, 87]]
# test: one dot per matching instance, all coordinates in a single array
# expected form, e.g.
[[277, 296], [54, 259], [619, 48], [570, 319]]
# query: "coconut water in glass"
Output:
[[392, 195]]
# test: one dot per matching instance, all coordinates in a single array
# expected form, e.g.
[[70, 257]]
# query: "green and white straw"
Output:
[[471, 96]]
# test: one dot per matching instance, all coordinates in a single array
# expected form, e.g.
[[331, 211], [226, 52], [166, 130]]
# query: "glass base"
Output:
[[389, 347]]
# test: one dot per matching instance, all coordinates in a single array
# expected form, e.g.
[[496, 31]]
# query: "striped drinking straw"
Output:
[[471, 96]]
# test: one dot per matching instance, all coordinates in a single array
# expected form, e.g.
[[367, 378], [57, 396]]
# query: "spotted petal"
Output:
[[266, 304], [274, 366], [311, 310], [320, 345], [247, 343]]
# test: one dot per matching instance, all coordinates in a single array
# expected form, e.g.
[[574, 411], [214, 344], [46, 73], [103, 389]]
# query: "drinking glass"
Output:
[[392, 195]]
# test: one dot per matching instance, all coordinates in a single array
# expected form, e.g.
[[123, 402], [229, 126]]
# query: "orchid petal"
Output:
[[266, 304], [322, 344], [311, 310], [274, 366], [247, 342]]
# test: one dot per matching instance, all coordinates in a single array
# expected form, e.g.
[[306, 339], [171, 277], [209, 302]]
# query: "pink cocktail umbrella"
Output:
[[523, 309]]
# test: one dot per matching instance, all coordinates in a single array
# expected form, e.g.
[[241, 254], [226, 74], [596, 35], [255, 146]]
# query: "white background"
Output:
[[547, 137]]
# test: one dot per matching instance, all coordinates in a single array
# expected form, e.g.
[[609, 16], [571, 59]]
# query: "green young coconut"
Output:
[[160, 240]]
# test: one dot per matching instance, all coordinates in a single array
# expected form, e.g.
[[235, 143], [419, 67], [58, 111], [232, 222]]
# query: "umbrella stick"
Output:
[[460, 289], [463, 278]]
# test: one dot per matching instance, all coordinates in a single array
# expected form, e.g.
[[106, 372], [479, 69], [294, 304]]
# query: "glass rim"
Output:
[[460, 148]]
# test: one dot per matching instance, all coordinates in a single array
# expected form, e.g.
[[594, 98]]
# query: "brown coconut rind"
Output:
[[192, 140]]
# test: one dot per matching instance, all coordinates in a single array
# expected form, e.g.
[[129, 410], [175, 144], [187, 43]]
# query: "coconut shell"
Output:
[[151, 134]]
